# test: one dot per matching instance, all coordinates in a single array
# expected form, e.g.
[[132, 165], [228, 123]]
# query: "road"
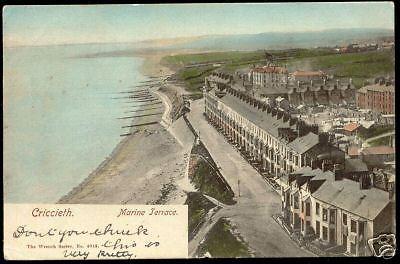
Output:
[[252, 214]]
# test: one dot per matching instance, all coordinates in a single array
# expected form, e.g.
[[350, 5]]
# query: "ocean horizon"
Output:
[[60, 121]]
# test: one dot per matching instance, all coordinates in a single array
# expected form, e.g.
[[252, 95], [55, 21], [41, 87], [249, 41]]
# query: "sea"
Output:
[[60, 118]]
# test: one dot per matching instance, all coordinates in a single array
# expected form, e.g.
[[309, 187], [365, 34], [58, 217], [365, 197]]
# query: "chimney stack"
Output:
[[324, 167], [323, 138], [286, 117], [365, 182], [264, 107], [338, 171], [392, 193], [292, 120], [279, 114]]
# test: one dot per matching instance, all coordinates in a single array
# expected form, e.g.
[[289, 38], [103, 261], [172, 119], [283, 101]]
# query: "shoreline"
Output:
[[111, 181]]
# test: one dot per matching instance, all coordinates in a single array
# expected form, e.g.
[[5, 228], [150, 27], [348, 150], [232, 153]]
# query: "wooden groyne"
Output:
[[141, 110], [134, 97], [145, 100], [135, 91], [126, 117], [145, 104], [143, 124], [141, 101]]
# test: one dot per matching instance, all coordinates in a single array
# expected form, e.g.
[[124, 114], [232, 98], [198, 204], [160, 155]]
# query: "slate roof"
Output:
[[273, 90], [218, 79], [376, 88], [305, 143], [346, 194], [367, 124], [316, 177], [354, 165], [261, 119]]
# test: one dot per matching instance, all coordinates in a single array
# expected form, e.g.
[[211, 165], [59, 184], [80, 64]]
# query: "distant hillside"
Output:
[[272, 40]]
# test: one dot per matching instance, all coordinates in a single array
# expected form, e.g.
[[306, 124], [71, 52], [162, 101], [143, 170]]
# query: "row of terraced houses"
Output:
[[322, 200]]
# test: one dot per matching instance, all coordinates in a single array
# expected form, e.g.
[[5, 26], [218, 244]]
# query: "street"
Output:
[[257, 202]]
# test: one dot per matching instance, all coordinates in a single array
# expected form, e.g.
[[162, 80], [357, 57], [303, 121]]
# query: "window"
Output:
[[324, 215], [302, 225], [317, 228], [344, 219], [302, 206], [332, 216], [353, 226], [317, 208], [308, 209], [324, 233], [296, 202], [361, 229]]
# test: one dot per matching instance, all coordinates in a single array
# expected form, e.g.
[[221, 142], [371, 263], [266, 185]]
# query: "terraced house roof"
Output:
[[261, 119], [305, 143], [346, 194]]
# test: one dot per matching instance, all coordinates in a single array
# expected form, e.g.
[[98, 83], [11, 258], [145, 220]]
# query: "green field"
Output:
[[228, 56], [358, 66]]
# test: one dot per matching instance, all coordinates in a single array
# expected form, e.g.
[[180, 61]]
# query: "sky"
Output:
[[46, 25]]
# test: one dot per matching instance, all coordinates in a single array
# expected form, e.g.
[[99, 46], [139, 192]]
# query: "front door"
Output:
[[332, 237], [345, 242]]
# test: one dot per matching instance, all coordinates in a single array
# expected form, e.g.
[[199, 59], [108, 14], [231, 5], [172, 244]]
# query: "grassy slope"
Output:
[[198, 207], [359, 66], [220, 242], [205, 180]]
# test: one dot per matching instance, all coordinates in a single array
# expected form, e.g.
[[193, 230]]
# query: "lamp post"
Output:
[[238, 186]]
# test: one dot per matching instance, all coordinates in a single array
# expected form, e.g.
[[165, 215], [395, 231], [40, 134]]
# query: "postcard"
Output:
[[159, 131]]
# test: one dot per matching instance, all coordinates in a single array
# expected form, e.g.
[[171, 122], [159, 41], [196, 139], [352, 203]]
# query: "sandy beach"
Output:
[[147, 167]]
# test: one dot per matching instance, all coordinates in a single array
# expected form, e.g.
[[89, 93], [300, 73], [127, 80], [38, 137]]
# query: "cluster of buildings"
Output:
[[361, 47], [337, 213], [327, 197], [298, 87]]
